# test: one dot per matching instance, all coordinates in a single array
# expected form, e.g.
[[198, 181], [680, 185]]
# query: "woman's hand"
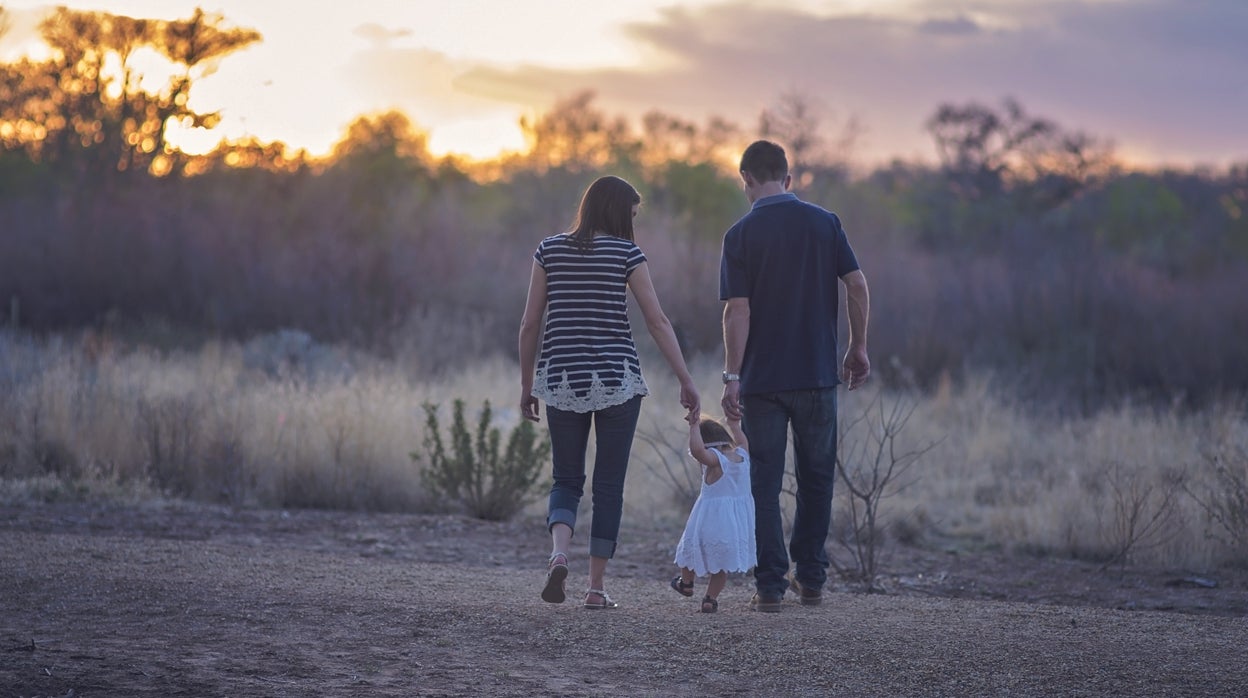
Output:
[[529, 407]]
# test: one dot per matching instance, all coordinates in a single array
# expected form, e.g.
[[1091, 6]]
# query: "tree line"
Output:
[[1027, 249]]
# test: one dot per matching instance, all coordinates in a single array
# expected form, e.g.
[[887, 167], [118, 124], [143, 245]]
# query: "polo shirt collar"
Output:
[[774, 199]]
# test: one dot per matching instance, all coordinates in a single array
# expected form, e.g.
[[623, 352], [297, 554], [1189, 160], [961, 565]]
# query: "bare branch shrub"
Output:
[[873, 465], [167, 428], [490, 487], [226, 471], [671, 463], [1142, 513], [1225, 499]]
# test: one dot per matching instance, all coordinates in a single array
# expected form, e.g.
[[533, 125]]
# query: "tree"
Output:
[[796, 121], [86, 108], [983, 152], [667, 139], [381, 155], [578, 137]]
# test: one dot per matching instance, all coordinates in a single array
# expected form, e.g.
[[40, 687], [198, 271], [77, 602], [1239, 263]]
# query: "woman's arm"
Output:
[[660, 329], [530, 328]]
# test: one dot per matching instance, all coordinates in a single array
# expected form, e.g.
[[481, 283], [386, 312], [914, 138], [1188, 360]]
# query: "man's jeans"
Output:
[[812, 416], [613, 440]]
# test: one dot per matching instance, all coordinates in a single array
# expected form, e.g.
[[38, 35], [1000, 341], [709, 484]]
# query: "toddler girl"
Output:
[[719, 536]]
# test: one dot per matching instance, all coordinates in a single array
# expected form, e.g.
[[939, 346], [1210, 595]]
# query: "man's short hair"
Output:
[[765, 162]]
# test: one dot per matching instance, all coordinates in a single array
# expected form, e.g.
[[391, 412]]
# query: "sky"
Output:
[[1166, 81]]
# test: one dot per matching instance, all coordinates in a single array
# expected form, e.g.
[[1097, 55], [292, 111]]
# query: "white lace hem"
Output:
[[709, 557], [598, 397]]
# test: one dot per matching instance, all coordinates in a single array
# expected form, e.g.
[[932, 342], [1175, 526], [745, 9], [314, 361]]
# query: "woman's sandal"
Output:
[[709, 605], [683, 588], [607, 602], [556, 575]]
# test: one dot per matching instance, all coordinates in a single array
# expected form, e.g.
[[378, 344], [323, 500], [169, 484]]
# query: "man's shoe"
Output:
[[766, 604], [806, 595]]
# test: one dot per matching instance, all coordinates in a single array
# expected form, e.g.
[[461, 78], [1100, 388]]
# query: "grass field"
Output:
[[284, 422]]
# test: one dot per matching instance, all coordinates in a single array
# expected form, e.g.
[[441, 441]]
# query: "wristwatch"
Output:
[[730, 377]]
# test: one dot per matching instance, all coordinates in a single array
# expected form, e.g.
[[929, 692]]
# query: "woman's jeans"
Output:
[[613, 439], [768, 417]]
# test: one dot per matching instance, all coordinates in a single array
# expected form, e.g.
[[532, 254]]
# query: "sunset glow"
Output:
[[466, 72]]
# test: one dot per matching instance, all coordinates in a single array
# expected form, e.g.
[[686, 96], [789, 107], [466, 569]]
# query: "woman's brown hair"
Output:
[[606, 207]]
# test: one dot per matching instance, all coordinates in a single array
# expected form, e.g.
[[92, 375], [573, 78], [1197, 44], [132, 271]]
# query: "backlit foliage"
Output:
[[91, 108]]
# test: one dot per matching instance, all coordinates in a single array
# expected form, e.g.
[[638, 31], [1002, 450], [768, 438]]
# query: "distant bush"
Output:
[[473, 474]]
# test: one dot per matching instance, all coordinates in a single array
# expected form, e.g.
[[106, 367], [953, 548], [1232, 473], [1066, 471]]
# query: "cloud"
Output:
[[422, 82], [378, 34], [953, 26], [1161, 78]]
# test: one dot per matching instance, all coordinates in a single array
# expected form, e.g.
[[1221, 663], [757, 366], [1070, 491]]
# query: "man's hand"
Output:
[[732, 400], [856, 368]]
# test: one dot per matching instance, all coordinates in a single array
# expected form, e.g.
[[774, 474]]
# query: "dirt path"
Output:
[[209, 602]]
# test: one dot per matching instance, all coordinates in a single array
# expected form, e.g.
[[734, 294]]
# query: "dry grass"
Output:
[[324, 427]]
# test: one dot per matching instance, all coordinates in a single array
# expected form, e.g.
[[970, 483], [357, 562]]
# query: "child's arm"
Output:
[[697, 449], [738, 436]]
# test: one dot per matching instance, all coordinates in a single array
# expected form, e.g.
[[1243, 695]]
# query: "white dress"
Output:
[[719, 536]]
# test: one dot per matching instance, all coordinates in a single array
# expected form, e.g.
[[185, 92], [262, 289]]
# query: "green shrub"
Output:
[[473, 475]]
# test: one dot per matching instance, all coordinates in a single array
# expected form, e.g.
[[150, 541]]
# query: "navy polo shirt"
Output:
[[787, 256]]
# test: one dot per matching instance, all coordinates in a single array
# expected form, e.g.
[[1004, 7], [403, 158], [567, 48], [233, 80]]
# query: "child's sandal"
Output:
[[683, 588], [709, 605]]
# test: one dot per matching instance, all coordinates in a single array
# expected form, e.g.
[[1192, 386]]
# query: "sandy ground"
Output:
[[198, 601]]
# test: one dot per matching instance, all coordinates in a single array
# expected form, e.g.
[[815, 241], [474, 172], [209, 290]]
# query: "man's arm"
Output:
[[857, 366], [736, 334]]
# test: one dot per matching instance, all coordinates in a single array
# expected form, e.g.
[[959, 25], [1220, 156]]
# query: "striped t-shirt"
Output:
[[588, 360]]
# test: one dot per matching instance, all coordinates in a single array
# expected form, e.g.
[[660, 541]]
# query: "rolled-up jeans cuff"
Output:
[[563, 516], [601, 547]]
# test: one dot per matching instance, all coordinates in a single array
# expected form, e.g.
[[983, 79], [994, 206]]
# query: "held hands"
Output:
[[731, 401], [690, 400]]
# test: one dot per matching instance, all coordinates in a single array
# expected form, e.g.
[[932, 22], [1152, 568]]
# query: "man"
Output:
[[778, 277]]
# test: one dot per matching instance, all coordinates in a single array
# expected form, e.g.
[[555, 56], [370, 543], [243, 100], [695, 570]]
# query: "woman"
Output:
[[588, 371]]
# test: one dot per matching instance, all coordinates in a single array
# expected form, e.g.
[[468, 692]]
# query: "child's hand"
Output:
[[691, 418]]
